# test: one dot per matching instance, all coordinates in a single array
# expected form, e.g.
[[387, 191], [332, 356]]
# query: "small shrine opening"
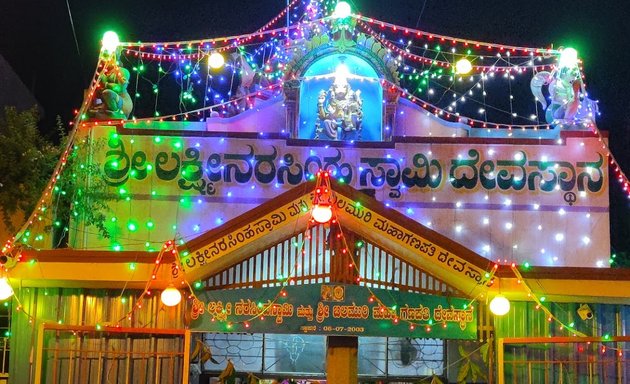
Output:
[[341, 99]]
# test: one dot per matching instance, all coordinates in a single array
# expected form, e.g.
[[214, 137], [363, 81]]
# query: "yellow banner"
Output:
[[417, 245], [246, 234]]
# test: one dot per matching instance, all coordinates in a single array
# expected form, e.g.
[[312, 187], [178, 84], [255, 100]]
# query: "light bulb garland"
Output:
[[540, 300], [38, 215], [168, 248], [497, 67], [277, 74], [542, 304], [454, 40], [198, 52], [177, 50]]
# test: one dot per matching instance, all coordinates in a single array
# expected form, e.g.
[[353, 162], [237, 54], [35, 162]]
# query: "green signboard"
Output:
[[334, 309]]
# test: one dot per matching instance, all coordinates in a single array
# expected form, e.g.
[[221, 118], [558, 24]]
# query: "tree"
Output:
[[27, 161]]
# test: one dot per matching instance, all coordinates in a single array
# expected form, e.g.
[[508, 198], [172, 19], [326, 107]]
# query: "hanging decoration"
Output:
[[5, 289], [540, 304], [171, 296], [322, 208], [500, 305]]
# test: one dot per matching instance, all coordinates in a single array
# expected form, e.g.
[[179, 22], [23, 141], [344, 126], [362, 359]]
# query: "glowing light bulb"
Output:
[[342, 10], [5, 289], [171, 296], [216, 60], [110, 41], [500, 305], [568, 58], [463, 66], [341, 74], [322, 213]]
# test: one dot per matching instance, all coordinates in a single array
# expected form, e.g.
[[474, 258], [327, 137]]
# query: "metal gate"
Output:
[[557, 360], [81, 354]]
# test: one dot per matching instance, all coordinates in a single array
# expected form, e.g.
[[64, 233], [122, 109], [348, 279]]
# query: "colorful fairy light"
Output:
[[441, 112]]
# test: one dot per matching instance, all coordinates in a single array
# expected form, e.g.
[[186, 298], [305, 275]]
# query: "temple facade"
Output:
[[318, 220]]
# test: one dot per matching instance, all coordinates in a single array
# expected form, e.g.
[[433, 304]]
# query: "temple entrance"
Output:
[[305, 355]]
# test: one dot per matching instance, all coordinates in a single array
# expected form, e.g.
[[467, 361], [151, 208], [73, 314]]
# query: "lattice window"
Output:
[[317, 260]]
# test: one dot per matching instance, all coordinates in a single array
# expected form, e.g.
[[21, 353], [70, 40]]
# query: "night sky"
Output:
[[36, 39]]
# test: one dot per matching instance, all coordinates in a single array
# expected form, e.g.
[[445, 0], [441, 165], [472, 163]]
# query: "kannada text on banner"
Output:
[[334, 310]]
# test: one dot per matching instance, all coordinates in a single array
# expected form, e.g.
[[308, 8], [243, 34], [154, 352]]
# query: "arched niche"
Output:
[[342, 79], [367, 67]]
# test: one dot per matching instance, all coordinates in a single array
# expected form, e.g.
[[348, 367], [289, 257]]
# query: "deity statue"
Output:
[[112, 100], [339, 111], [569, 100], [564, 86]]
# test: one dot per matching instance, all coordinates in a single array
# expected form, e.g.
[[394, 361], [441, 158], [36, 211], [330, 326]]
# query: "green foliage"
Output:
[[469, 369], [82, 195], [27, 161]]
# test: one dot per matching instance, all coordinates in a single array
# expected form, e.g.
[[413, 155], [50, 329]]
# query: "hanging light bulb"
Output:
[[5, 289], [500, 305], [216, 60], [322, 213], [171, 296], [463, 66]]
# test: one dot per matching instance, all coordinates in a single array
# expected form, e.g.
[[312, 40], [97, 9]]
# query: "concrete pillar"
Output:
[[341, 359], [391, 96], [291, 90]]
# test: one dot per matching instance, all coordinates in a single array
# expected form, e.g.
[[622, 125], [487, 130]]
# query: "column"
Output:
[[341, 360]]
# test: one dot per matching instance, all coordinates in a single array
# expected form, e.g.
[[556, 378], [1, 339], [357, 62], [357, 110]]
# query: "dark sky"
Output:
[[36, 38]]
